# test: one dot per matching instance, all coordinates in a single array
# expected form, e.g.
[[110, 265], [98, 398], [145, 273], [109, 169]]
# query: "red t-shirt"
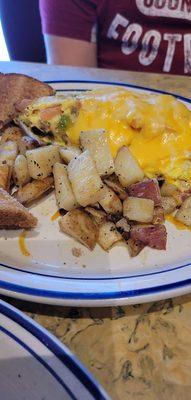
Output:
[[139, 35]]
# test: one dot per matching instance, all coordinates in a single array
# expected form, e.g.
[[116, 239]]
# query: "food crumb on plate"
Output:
[[76, 252]]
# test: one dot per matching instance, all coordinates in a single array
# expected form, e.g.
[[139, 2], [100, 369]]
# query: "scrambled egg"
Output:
[[157, 128]]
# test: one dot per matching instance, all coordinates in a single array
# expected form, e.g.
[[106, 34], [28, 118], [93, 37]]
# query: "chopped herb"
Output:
[[64, 122]]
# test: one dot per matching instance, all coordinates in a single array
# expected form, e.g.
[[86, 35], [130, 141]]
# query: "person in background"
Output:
[[139, 35]]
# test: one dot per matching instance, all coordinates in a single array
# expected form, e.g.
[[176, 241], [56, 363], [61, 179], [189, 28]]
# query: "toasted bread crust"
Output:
[[14, 88], [14, 215]]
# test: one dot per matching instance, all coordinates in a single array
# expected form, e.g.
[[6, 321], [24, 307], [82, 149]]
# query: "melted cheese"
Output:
[[162, 141], [179, 225], [157, 128]]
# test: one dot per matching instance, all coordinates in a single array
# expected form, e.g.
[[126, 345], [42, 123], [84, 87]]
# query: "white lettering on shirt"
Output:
[[172, 39], [165, 8], [151, 40], [117, 21], [187, 53], [94, 33], [131, 38]]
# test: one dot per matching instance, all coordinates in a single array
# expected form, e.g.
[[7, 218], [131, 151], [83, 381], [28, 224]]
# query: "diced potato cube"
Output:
[[169, 204], [12, 133], [80, 226], [167, 189], [27, 143], [135, 247], [154, 236], [96, 142], [170, 190], [8, 152], [5, 176], [41, 161], [20, 171], [127, 168], [124, 228], [187, 203], [33, 190], [184, 213], [69, 152], [117, 188], [146, 189], [138, 209], [99, 216], [110, 202], [64, 193], [85, 180], [184, 216], [108, 235]]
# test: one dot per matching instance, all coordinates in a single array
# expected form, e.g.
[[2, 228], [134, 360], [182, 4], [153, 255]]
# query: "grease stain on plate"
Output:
[[22, 244], [56, 215]]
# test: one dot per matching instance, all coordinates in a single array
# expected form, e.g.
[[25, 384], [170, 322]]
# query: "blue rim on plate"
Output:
[[122, 289], [107, 83], [94, 296], [57, 348]]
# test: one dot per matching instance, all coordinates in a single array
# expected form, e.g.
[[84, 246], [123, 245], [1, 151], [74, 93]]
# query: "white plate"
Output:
[[34, 365], [52, 274]]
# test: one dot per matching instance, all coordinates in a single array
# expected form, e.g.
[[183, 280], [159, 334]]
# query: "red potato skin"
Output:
[[148, 189], [154, 236]]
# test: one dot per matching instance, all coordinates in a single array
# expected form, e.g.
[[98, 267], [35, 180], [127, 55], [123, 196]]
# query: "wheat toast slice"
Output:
[[14, 88], [14, 215]]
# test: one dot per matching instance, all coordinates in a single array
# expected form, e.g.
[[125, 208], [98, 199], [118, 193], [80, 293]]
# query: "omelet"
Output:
[[156, 128]]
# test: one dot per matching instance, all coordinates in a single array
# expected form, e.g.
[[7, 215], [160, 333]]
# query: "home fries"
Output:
[[119, 162]]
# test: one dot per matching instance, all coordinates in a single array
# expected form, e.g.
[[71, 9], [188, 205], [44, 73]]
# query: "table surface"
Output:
[[136, 352]]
